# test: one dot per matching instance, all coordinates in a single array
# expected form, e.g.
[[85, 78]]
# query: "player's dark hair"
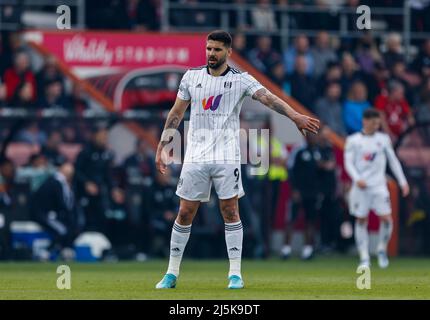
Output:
[[221, 36], [371, 114]]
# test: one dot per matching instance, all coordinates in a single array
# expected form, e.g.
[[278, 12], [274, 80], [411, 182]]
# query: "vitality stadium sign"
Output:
[[133, 70], [103, 49]]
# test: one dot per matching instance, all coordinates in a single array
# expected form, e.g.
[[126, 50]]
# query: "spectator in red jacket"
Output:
[[20, 80], [395, 107]]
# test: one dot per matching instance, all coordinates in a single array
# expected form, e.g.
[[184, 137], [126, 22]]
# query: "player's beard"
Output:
[[217, 64]]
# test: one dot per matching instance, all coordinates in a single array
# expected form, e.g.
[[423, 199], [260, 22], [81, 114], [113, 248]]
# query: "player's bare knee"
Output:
[[184, 220], [185, 215], [230, 213]]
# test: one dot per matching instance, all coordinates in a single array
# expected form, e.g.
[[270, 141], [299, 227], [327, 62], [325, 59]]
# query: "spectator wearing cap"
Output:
[[395, 108]]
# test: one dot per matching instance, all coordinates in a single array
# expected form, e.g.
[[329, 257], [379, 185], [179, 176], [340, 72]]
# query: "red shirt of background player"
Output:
[[396, 113]]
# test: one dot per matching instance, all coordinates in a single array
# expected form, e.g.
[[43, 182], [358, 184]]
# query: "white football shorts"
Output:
[[195, 181], [361, 201]]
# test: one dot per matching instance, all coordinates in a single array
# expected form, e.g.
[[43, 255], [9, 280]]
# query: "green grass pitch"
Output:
[[322, 278]]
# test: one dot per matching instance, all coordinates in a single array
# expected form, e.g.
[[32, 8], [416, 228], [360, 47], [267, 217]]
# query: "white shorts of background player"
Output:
[[376, 198]]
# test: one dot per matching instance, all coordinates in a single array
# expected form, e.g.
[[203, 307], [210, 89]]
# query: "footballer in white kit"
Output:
[[213, 152], [366, 155], [216, 93]]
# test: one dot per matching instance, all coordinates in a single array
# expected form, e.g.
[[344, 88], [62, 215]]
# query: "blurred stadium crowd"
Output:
[[337, 78]]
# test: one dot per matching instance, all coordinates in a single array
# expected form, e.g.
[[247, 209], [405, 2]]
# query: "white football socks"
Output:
[[385, 230], [234, 239], [178, 241], [362, 240]]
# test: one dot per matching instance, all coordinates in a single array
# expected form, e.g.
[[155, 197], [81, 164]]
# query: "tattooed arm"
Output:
[[173, 120], [303, 122]]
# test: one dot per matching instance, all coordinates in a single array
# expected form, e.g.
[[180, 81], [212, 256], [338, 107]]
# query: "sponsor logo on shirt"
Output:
[[369, 156], [211, 103]]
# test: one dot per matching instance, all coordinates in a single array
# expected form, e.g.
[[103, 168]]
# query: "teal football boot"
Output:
[[236, 282], [168, 282]]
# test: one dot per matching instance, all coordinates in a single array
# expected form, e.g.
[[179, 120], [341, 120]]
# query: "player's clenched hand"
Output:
[[361, 184], [305, 123], [160, 160], [405, 190]]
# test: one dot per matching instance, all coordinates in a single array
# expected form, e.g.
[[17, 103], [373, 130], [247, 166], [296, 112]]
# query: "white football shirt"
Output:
[[366, 159], [213, 132]]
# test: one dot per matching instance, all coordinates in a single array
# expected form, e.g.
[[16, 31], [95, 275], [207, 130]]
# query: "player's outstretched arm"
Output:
[[303, 122], [173, 120]]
